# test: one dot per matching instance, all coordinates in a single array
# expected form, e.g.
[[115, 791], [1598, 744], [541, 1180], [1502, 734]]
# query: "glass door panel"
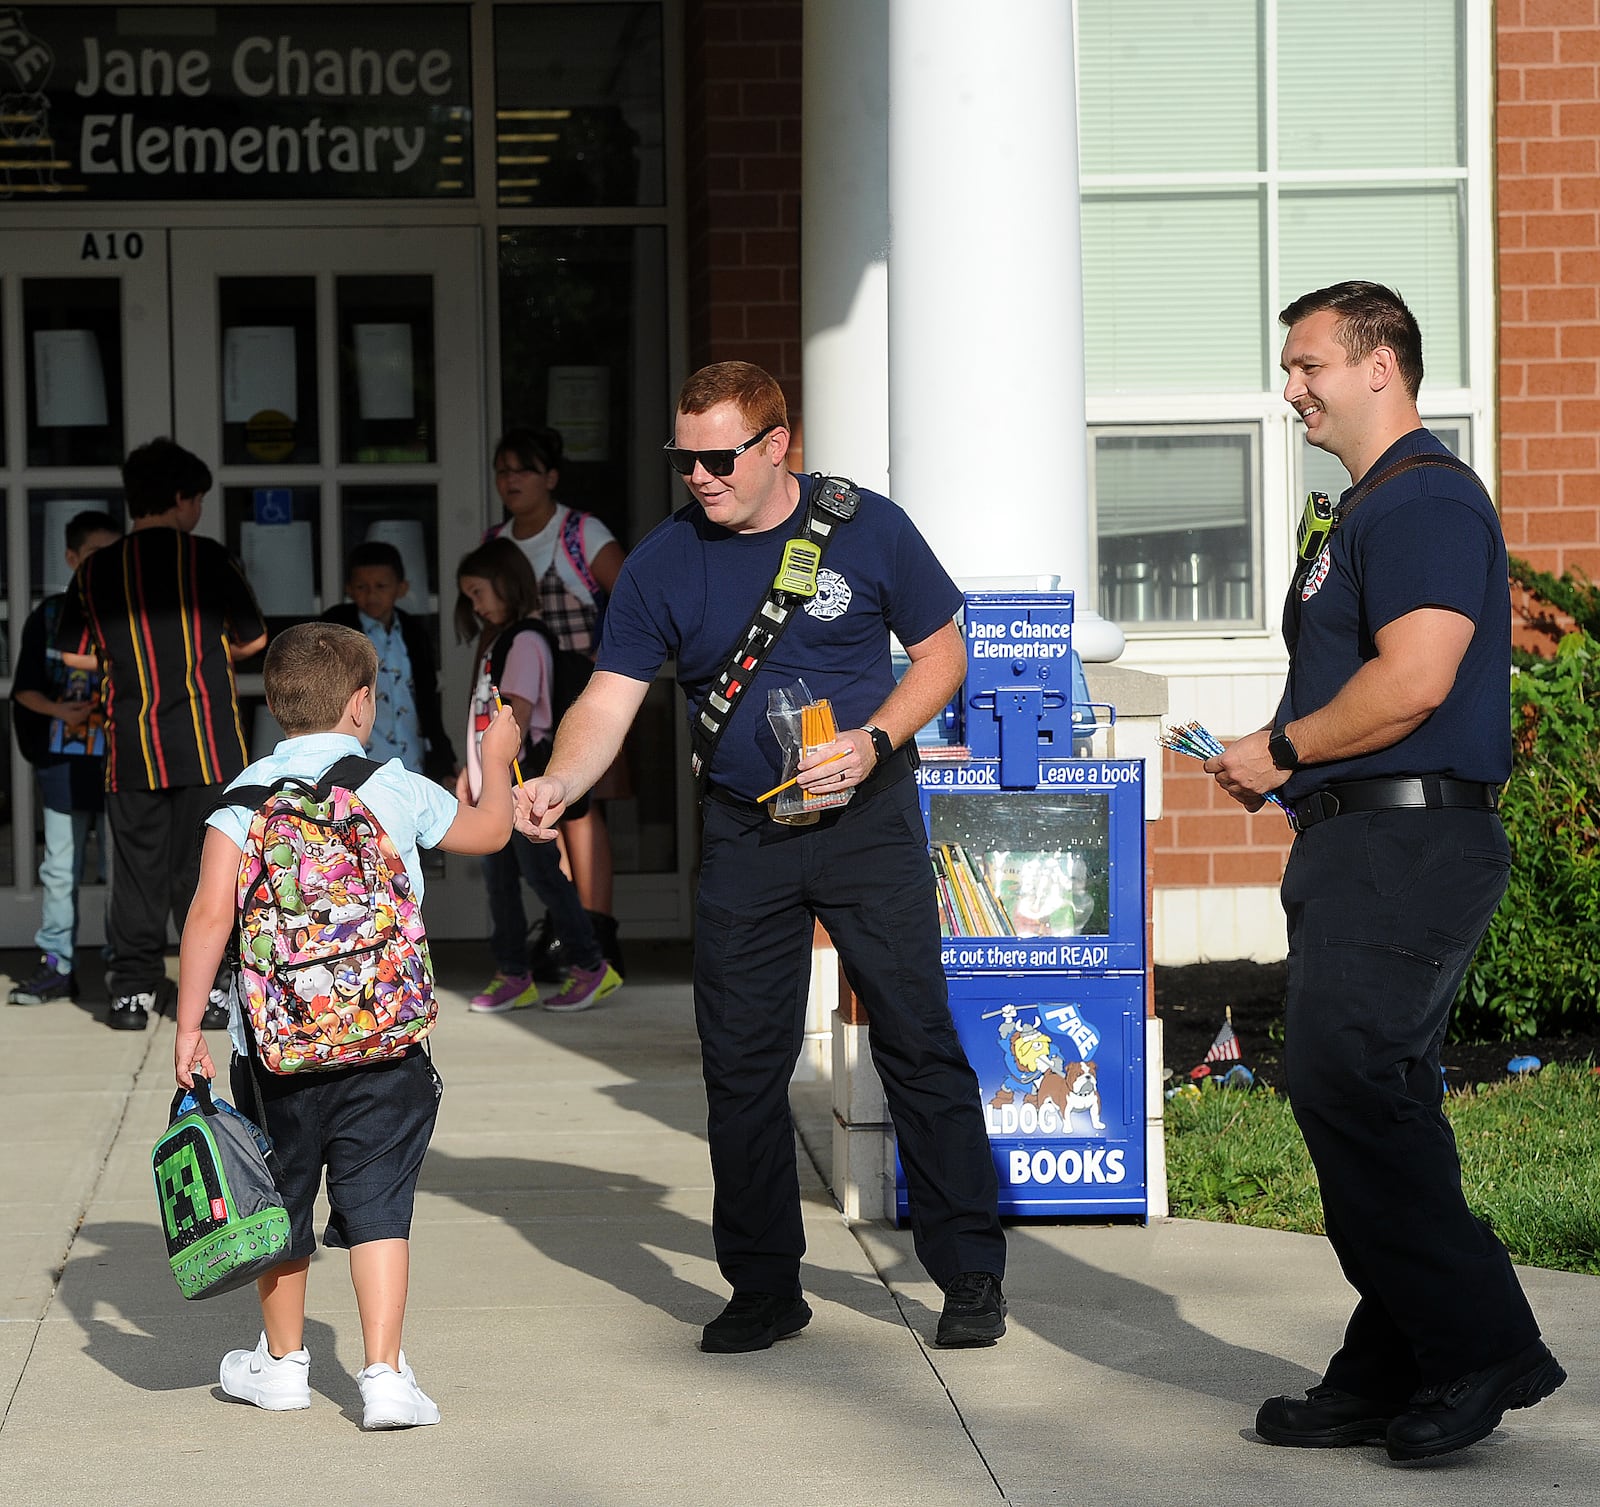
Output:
[[275, 532], [72, 329], [385, 369], [408, 518], [268, 355], [50, 510]]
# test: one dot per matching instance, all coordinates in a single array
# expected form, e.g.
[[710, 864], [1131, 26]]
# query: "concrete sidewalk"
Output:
[[561, 1267]]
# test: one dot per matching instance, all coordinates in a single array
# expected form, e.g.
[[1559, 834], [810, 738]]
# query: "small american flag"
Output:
[[1226, 1047]]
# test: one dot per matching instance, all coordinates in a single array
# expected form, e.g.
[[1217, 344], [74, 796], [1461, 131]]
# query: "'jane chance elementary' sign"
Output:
[[234, 102]]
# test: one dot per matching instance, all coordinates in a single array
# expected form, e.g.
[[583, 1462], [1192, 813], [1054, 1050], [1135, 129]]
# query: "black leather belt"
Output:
[[1424, 791]]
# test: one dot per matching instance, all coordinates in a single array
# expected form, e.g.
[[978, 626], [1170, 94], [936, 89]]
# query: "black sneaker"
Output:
[[752, 1321], [130, 1012], [215, 1017], [47, 984], [1326, 1419], [974, 1311]]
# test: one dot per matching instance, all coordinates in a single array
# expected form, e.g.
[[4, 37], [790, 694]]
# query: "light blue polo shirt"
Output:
[[415, 812]]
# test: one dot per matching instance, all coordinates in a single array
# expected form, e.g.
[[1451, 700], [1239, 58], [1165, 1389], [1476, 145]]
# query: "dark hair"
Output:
[[1370, 315], [532, 447], [81, 525], [506, 568], [756, 392], [156, 475], [311, 672], [375, 552]]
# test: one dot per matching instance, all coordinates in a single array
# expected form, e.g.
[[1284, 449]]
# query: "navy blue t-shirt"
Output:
[[688, 590], [1429, 538]]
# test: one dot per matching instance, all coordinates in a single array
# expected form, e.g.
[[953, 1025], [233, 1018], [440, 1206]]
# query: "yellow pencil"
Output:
[[499, 706], [779, 789]]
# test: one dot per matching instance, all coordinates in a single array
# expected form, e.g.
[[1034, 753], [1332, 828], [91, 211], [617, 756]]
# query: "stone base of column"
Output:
[[1155, 1128], [863, 1139]]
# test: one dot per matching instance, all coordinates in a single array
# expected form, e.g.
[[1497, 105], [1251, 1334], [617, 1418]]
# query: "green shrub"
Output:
[[1538, 969]]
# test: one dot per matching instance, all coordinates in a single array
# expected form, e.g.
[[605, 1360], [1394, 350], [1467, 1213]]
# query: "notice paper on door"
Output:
[[385, 380], [579, 406], [277, 563], [258, 372], [69, 383]]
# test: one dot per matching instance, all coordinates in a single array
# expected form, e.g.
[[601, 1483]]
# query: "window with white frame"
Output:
[[1236, 154]]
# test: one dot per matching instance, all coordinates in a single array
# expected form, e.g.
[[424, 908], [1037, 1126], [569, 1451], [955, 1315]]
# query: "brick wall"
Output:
[[742, 99], [1204, 838], [1548, 140]]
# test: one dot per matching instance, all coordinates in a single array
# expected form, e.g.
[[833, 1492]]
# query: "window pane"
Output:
[[1381, 88], [578, 105], [1409, 237], [50, 510], [72, 333], [385, 368], [1175, 518], [1169, 86], [268, 327], [276, 533], [408, 518], [1172, 292]]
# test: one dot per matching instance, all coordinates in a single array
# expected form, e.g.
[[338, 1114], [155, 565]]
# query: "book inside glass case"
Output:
[[1022, 864]]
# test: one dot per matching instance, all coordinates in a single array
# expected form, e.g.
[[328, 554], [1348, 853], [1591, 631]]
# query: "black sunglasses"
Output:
[[717, 462]]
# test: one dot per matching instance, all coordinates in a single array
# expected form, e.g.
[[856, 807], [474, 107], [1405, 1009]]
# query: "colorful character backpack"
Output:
[[333, 959]]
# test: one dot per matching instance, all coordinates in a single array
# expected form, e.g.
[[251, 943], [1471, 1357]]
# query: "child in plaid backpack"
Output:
[[342, 1081]]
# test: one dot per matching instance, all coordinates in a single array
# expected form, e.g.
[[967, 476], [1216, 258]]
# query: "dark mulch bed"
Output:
[[1191, 1002]]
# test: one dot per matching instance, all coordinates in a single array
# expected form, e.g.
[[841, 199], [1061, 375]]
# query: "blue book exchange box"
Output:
[[1039, 861]]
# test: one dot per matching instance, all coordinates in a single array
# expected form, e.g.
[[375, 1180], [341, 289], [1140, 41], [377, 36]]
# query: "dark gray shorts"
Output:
[[368, 1126]]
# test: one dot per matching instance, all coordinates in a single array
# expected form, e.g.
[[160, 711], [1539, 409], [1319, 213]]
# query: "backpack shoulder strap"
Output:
[[500, 649], [572, 543], [349, 773]]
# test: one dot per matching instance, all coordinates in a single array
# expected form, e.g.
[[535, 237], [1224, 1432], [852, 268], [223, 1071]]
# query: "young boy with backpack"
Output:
[[315, 868], [60, 724]]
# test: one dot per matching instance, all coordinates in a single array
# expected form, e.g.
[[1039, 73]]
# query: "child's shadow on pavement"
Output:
[[119, 1290]]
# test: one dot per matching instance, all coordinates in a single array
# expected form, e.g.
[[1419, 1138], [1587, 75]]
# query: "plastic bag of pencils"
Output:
[[802, 726]]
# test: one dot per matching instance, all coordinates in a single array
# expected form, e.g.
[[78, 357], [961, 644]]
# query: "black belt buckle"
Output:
[[1314, 808]]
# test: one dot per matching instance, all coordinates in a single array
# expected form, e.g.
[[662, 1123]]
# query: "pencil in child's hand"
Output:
[[499, 706]]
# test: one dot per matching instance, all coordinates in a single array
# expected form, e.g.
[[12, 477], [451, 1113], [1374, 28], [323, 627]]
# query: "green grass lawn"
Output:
[[1530, 1163]]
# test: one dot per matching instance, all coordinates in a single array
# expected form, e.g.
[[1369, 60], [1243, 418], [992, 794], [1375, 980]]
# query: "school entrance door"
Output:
[[333, 381]]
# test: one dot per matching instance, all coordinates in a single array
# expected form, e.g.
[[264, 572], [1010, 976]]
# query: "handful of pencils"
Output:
[[1198, 743], [817, 725]]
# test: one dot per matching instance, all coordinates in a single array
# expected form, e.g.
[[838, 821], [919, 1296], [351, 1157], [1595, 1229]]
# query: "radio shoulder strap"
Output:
[[1361, 493], [833, 500]]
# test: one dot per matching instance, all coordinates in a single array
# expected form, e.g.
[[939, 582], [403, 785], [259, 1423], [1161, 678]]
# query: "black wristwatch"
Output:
[[882, 743], [1282, 751]]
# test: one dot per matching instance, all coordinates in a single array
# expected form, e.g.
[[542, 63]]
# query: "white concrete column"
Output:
[[844, 279], [988, 449]]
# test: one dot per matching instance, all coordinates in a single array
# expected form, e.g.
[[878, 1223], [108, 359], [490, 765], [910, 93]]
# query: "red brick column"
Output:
[[742, 97], [1548, 144]]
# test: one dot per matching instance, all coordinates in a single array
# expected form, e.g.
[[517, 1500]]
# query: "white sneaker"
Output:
[[279, 1385], [392, 1399]]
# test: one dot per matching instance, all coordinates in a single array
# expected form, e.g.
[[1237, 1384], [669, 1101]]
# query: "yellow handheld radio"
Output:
[[797, 572], [1316, 523]]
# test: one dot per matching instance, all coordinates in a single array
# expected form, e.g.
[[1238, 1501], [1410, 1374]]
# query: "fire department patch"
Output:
[[1319, 574]]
